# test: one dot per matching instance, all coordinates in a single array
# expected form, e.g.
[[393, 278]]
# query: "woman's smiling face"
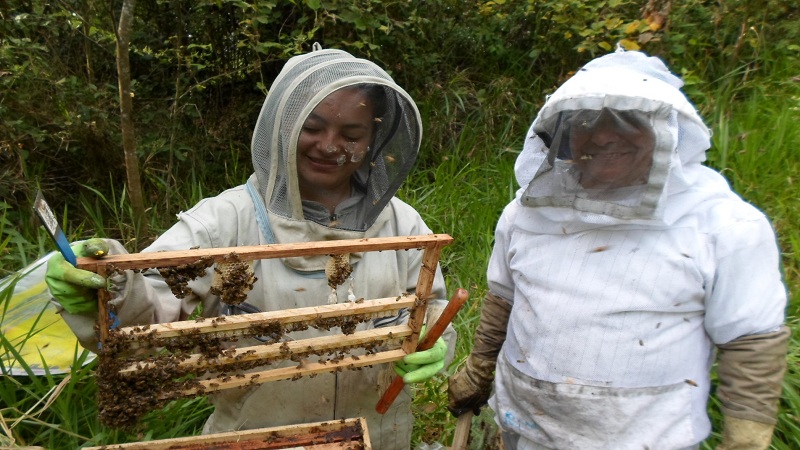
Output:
[[332, 145], [611, 152]]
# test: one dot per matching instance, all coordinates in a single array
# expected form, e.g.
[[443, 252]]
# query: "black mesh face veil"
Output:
[[557, 131], [304, 84], [607, 160]]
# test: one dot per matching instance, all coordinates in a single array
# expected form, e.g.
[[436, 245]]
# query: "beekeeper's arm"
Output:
[[745, 317], [471, 387], [750, 373], [138, 298]]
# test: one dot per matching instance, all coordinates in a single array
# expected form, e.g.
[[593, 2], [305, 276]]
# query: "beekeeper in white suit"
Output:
[[335, 139], [619, 271]]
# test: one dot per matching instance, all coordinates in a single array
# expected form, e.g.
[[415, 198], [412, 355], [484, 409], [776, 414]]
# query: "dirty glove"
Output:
[[74, 288], [471, 387], [421, 366], [750, 371], [740, 434]]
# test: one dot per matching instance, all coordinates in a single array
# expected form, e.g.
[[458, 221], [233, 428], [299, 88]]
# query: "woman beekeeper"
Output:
[[620, 268], [335, 139]]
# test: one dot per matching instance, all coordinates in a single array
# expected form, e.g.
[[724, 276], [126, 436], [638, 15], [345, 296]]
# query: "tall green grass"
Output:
[[463, 181]]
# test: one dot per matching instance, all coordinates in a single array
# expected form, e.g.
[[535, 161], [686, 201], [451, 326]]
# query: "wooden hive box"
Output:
[[346, 434]]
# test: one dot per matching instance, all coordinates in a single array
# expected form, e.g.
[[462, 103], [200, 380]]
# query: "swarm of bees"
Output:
[[337, 271], [140, 371], [233, 279], [124, 399], [126, 395], [178, 277]]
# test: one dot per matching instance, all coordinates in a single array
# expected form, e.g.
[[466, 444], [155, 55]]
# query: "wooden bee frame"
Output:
[[193, 373], [335, 435]]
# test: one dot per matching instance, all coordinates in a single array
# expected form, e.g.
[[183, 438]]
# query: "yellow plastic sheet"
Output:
[[31, 324]]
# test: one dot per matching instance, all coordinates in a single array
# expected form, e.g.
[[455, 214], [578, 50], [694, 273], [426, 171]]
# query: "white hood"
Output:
[[624, 81], [304, 82]]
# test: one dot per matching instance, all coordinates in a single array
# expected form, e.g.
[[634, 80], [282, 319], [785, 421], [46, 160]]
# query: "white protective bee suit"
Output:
[[268, 209], [619, 297]]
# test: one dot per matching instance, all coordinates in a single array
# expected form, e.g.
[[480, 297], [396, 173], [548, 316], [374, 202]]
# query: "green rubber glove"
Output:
[[421, 366], [75, 288]]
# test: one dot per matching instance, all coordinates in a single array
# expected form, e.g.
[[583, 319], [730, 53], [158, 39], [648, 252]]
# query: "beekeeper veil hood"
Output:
[[612, 143], [381, 164]]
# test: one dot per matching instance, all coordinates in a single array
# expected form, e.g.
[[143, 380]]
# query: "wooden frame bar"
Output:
[[269, 251], [235, 325], [272, 351], [332, 435]]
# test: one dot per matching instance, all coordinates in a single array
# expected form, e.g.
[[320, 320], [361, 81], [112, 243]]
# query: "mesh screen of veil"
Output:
[[390, 155], [604, 161]]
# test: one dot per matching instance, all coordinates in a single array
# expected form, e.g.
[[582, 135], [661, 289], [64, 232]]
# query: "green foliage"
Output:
[[201, 68], [14, 247], [729, 43]]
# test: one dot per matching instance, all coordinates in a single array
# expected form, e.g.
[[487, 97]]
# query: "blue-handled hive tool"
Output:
[[53, 228]]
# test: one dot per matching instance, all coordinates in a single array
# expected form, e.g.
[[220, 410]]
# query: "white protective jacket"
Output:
[[147, 299], [269, 209], [614, 320]]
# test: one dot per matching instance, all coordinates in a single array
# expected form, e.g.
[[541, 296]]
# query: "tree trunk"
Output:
[[126, 121], [88, 15]]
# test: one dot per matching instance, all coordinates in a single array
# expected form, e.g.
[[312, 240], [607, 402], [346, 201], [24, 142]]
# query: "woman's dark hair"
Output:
[[378, 96]]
